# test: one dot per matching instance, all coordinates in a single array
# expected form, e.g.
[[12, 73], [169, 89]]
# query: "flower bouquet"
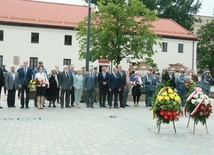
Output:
[[167, 106], [198, 106], [32, 85]]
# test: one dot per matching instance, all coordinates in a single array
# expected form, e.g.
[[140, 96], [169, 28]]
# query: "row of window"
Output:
[[34, 62], [35, 38], [165, 47]]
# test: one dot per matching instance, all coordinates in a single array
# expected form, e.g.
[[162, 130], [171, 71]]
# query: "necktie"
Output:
[[25, 70]]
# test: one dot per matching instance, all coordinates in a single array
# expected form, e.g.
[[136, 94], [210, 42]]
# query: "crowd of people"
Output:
[[69, 87]]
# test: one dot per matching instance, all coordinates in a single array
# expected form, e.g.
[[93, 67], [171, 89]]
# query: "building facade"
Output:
[[203, 20], [39, 31]]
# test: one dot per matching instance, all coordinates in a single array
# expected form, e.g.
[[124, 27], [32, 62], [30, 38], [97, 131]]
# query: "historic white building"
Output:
[[42, 31]]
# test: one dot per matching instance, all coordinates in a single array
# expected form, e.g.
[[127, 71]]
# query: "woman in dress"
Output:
[[78, 87], [53, 89], [43, 82], [136, 81]]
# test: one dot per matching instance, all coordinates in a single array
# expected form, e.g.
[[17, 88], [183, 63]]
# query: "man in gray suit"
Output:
[[90, 85], [65, 85], [11, 84]]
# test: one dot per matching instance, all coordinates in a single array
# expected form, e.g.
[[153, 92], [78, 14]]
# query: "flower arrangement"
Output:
[[198, 105], [167, 106], [32, 85]]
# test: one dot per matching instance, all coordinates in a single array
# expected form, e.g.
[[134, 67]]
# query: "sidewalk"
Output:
[[83, 131]]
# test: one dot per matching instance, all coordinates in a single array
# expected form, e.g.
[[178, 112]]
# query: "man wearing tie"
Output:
[[11, 84], [123, 86], [25, 75], [90, 85], [72, 73], [65, 85], [103, 86], [114, 85]]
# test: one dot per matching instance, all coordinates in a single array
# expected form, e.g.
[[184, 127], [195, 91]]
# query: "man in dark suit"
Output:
[[114, 85], [57, 72], [123, 86], [72, 73], [103, 86], [90, 85], [1, 82], [25, 75], [65, 85], [11, 84]]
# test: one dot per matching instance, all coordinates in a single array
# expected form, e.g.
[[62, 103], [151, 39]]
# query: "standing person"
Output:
[[2, 81], [97, 90], [78, 87], [58, 92], [65, 85], [128, 87], [103, 86], [42, 79], [83, 92], [53, 89], [158, 79], [4, 72], [149, 82], [206, 81], [90, 85], [123, 86], [180, 86], [25, 75], [11, 84], [137, 82], [19, 90], [72, 73], [114, 85]]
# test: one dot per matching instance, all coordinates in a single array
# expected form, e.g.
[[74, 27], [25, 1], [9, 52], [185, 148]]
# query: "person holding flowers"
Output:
[[43, 82]]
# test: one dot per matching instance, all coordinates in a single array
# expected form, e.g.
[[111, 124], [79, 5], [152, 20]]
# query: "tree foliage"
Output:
[[181, 11], [205, 51], [119, 30]]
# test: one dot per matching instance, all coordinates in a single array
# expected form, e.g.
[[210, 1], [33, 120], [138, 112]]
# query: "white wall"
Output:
[[51, 49]]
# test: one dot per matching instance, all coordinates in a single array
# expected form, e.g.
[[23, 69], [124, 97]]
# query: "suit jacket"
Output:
[[1, 78], [123, 78], [114, 82], [66, 82], [101, 79], [25, 78], [9, 82], [73, 73], [90, 83]]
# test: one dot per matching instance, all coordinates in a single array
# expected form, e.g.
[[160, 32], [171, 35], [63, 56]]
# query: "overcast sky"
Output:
[[207, 7]]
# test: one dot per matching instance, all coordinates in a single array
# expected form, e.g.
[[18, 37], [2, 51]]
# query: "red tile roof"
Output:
[[67, 15]]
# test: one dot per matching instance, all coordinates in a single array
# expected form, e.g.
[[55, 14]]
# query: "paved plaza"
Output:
[[82, 131]]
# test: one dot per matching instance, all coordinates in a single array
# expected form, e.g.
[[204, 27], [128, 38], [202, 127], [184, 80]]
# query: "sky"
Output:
[[207, 8]]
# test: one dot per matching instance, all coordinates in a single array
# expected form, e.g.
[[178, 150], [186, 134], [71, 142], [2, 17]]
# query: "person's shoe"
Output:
[[43, 105], [116, 107], [104, 106], [1, 107], [62, 107], [49, 105], [14, 106], [72, 105], [110, 107], [21, 107], [147, 105], [91, 106], [87, 106], [54, 106], [68, 106], [127, 105], [137, 105], [122, 107], [27, 107]]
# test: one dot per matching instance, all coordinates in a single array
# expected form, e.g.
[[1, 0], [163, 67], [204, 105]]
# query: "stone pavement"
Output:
[[56, 131]]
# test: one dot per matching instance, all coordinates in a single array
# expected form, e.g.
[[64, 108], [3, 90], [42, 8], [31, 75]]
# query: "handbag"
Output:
[[142, 89]]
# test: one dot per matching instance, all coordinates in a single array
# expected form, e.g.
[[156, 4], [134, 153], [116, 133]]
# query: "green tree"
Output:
[[205, 50], [119, 30], [181, 11]]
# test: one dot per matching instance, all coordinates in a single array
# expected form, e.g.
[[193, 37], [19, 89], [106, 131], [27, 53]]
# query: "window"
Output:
[[33, 62], [67, 62], [164, 47], [1, 35], [1, 60], [180, 48], [207, 21], [68, 40], [34, 37]]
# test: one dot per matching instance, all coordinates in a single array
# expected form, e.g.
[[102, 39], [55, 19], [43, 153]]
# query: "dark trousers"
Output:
[[72, 96], [57, 96], [182, 94], [114, 92], [136, 99], [121, 97], [23, 90], [90, 97], [67, 97], [102, 97], [19, 92], [11, 97], [149, 95]]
